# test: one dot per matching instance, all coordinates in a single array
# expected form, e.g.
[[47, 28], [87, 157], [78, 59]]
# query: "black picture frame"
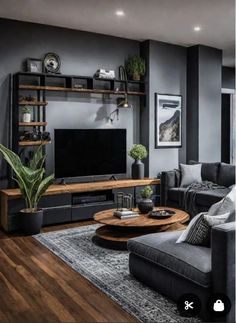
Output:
[[175, 102], [34, 65]]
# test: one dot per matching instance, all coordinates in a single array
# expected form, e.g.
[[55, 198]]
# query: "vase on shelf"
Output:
[[137, 169], [26, 117]]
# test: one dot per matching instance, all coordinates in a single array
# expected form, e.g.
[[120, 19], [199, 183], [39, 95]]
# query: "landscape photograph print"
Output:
[[168, 110]]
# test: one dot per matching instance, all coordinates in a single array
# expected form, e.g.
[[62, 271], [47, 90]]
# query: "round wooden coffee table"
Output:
[[121, 230]]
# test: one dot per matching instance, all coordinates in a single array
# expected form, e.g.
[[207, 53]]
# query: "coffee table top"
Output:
[[107, 217]]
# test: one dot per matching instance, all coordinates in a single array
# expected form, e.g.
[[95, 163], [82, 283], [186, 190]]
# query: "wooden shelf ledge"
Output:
[[65, 89], [32, 124], [87, 187], [33, 143], [33, 103]]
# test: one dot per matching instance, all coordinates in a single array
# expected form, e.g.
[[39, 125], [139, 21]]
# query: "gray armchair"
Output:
[[175, 269]]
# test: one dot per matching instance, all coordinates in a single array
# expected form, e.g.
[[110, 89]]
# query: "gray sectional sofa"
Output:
[[219, 173], [175, 269]]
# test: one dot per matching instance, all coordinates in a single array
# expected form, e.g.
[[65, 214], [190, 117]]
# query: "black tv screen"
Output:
[[89, 152]]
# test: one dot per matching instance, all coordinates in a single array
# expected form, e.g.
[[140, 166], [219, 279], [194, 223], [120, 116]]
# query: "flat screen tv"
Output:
[[89, 152]]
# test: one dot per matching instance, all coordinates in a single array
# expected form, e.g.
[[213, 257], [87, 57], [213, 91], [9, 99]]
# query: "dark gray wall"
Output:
[[167, 75], [228, 77], [81, 53], [204, 93], [210, 63]]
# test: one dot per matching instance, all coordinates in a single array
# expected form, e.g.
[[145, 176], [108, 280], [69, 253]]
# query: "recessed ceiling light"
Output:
[[197, 28], [120, 13]]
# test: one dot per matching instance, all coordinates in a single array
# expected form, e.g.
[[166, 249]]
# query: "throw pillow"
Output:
[[227, 204], [198, 231], [190, 174]]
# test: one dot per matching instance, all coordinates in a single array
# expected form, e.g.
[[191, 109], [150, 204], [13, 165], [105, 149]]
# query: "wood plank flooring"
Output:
[[36, 286]]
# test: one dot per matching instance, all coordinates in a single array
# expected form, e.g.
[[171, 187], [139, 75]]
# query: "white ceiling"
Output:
[[165, 20]]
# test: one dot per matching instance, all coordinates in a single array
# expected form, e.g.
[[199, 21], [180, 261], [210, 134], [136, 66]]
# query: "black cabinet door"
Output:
[[87, 212], [56, 215]]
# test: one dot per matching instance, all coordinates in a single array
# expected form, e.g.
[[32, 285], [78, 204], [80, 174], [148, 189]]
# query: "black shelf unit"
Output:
[[41, 83]]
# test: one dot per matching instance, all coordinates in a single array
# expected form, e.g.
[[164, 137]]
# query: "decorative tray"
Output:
[[161, 214]]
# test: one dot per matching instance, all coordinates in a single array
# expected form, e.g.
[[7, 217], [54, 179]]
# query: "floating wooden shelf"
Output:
[[65, 89], [32, 124], [32, 103], [33, 143]]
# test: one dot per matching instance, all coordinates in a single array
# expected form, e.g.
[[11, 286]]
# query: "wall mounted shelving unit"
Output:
[[40, 83]]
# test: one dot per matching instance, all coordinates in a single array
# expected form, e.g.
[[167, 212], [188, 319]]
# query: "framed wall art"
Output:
[[168, 120], [34, 65]]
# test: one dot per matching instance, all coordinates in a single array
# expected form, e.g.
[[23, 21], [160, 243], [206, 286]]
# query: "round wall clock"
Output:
[[52, 63]]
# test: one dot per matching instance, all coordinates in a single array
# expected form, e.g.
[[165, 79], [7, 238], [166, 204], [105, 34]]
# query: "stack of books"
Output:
[[105, 74], [126, 214]]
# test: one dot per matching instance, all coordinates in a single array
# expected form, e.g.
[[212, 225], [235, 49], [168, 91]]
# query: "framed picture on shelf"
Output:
[[34, 65], [168, 120]]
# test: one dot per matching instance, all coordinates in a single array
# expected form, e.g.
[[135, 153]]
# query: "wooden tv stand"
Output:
[[60, 202]]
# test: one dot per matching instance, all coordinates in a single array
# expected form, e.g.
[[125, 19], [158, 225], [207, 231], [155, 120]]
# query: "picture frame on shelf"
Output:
[[168, 121], [34, 65]]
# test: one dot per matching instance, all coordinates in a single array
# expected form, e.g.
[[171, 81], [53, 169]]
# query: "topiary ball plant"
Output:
[[147, 192], [138, 152]]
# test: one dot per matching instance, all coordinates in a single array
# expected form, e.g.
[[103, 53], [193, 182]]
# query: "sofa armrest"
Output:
[[169, 180], [223, 263]]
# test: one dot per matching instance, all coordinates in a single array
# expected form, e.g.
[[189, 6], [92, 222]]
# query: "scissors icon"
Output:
[[188, 305]]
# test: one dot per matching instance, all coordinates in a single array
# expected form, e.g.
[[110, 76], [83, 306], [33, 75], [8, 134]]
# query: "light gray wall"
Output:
[[81, 53], [167, 75]]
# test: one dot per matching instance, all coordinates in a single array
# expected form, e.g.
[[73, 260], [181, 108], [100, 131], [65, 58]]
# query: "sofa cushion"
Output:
[[210, 171], [207, 198], [191, 262], [226, 175], [176, 194]]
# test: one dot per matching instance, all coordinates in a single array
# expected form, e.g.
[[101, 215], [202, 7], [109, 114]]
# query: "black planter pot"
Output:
[[137, 169], [145, 206], [31, 222]]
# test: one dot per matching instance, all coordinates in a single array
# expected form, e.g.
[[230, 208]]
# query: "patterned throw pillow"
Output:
[[198, 231]]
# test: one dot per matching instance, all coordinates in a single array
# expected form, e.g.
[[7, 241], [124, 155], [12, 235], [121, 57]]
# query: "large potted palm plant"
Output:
[[32, 184]]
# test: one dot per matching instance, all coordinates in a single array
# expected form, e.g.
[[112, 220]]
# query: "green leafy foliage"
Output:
[[26, 109], [135, 64], [147, 192], [138, 152], [30, 180]]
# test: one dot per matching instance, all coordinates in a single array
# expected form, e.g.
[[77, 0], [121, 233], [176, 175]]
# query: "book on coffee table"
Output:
[[125, 214]]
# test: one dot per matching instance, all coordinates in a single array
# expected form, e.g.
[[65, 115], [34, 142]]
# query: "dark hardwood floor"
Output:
[[36, 286]]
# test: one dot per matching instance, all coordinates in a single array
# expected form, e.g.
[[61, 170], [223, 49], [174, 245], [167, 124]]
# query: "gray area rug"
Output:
[[108, 270]]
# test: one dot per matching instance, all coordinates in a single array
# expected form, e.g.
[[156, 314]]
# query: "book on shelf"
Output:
[[126, 214]]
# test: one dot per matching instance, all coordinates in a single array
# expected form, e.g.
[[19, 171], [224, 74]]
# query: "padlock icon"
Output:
[[219, 306]]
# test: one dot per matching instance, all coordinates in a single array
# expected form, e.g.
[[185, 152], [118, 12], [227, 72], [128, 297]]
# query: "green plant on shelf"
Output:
[[138, 152], [26, 109], [135, 67], [147, 192]]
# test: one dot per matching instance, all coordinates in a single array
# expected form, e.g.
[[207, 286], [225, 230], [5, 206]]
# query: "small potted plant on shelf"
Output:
[[135, 67], [145, 205], [138, 152], [32, 184], [26, 113]]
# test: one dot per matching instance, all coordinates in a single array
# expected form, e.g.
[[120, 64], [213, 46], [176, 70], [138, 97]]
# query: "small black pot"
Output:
[[145, 206], [31, 222], [137, 169]]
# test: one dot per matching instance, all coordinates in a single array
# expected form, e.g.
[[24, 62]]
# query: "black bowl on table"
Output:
[[161, 214]]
